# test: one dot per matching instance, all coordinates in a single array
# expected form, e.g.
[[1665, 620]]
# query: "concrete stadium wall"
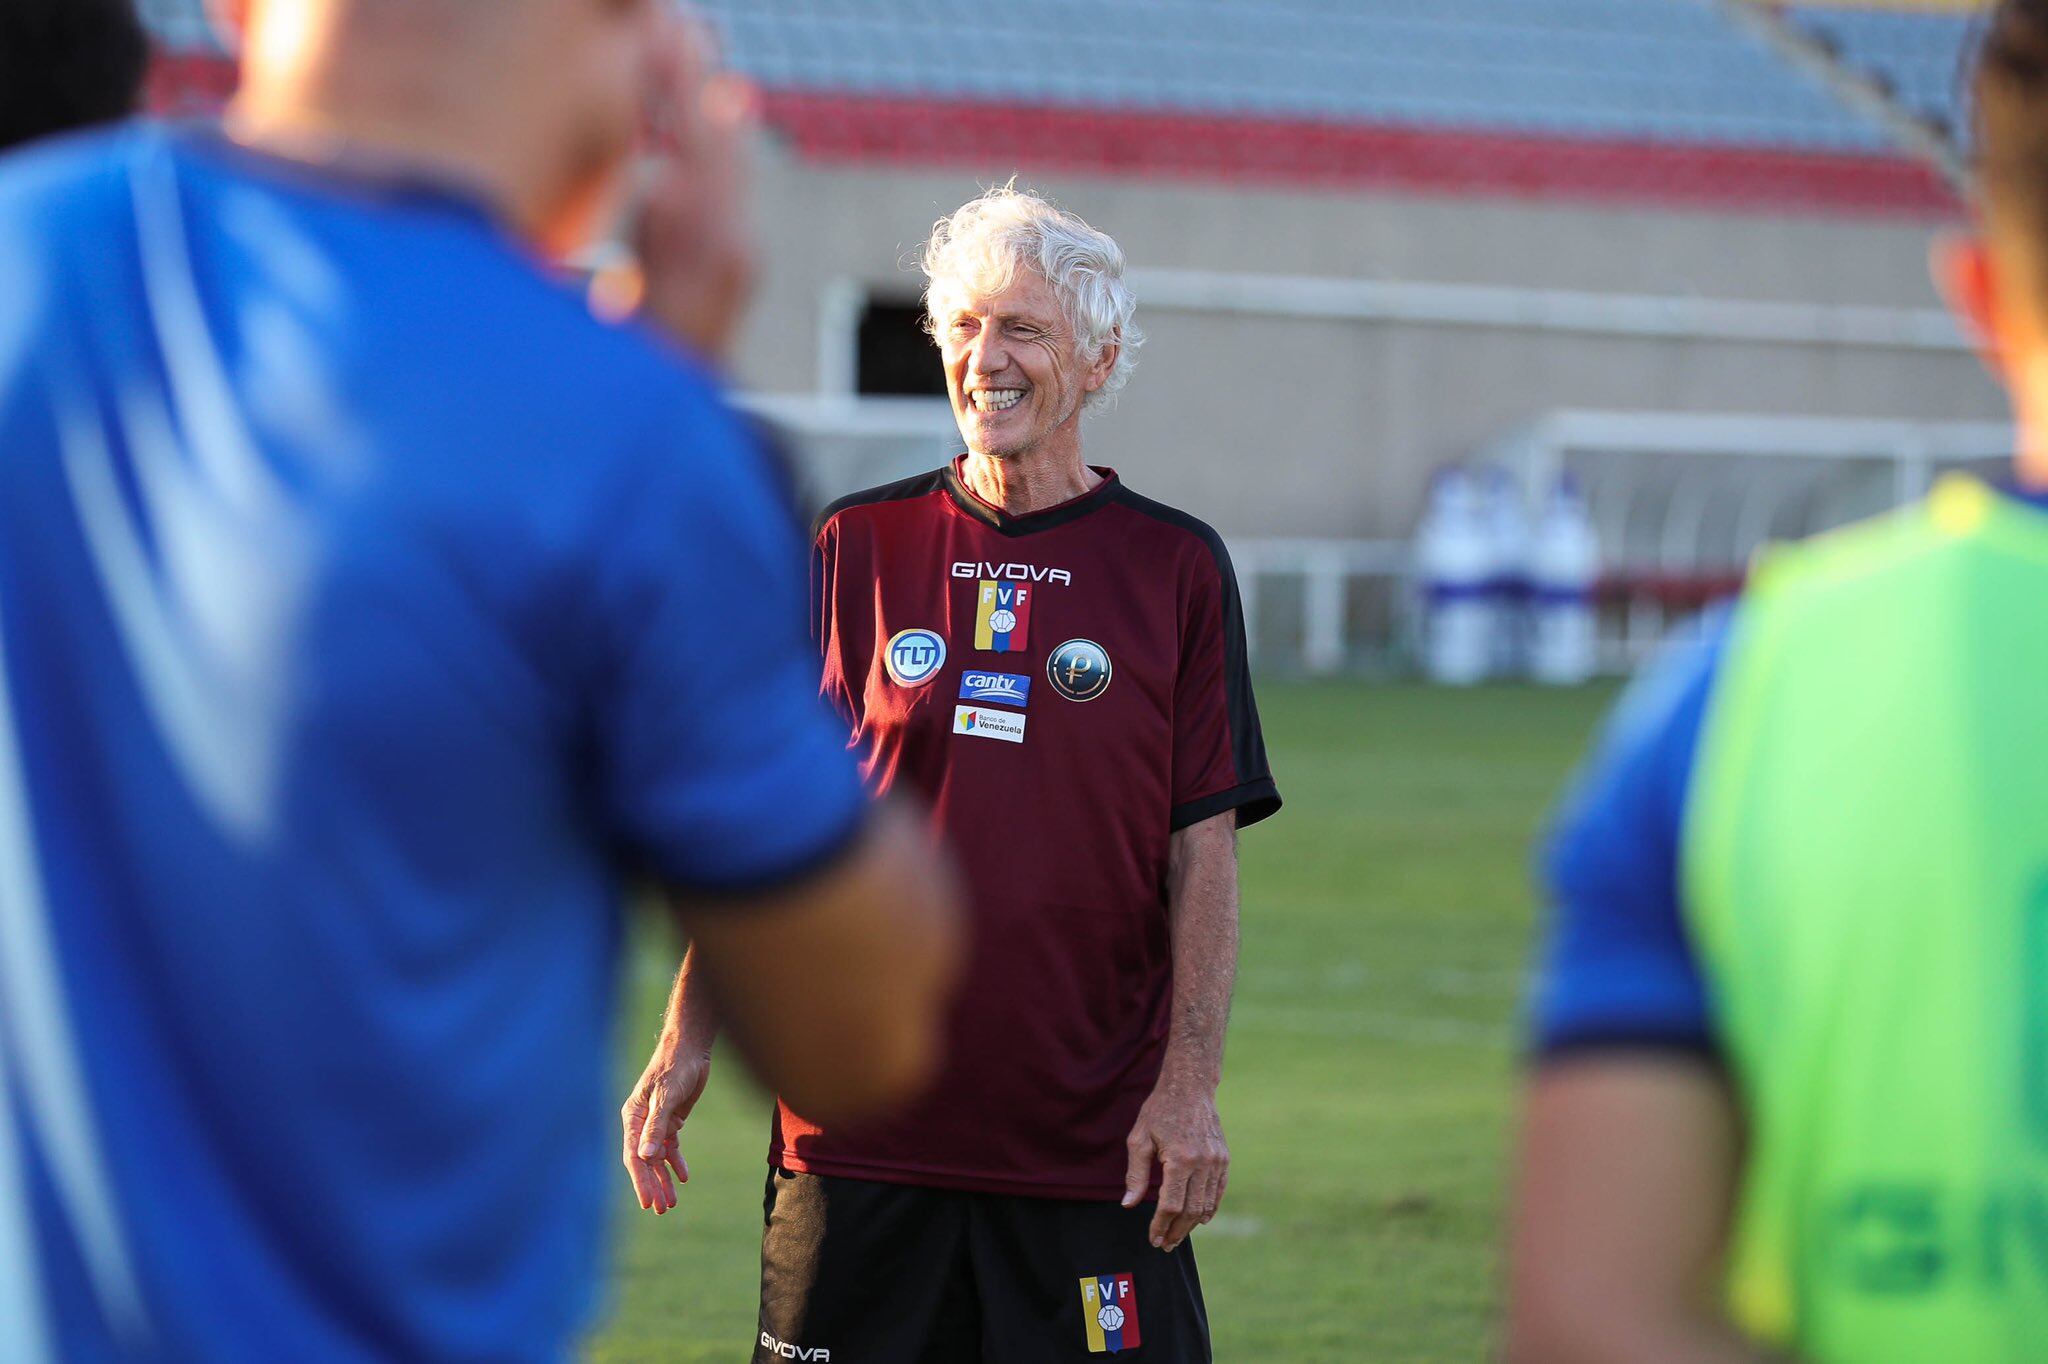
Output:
[[1270, 425]]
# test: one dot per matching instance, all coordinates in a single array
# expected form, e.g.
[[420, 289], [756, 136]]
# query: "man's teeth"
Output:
[[997, 399]]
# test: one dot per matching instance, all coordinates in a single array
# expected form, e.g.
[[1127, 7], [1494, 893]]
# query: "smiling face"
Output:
[[1014, 367]]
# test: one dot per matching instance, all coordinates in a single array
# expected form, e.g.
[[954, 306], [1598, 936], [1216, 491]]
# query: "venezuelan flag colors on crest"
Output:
[[1109, 1309], [1002, 617]]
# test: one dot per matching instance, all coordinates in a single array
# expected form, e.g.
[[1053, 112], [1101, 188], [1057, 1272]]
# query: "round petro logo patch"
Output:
[[914, 657], [1079, 670]]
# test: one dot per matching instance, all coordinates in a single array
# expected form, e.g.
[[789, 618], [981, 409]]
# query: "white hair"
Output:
[[982, 245]]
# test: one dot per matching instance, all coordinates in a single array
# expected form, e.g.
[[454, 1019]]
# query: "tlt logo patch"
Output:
[[1005, 689], [989, 724], [914, 657], [1002, 617], [1109, 1309]]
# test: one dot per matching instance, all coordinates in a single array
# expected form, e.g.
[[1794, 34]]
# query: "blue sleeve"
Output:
[[1618, 967], [720, 764]]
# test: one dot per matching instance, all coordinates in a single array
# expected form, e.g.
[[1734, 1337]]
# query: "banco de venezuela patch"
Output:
[[983, 723]]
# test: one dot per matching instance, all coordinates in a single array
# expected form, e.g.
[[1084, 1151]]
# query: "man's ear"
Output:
[[1968, 279], [1104, 366]]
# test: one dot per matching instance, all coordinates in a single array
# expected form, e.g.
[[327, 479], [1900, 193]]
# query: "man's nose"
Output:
[[985, 354]]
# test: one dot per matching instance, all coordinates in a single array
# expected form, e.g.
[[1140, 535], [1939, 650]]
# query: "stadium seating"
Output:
[[1658, 69], [1531, 93], [1922, 56], [1667, 70]]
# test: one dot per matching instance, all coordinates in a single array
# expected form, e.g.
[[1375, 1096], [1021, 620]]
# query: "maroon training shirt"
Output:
[[1065, 690]]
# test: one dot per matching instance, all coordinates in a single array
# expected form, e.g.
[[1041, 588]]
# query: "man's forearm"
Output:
[[1202, 924], [689, 1023], [1630, 1166]]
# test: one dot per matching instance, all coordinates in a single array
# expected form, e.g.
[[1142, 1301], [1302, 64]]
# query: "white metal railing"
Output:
[[1672, 494], [1330, 572], [1914, 450], [1569, 311], [851, 443], [1679, 494]]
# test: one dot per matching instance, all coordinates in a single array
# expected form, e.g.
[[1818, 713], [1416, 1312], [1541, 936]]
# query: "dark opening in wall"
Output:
[[897, 358]]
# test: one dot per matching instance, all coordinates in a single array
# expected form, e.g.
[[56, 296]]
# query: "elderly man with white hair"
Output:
[[1056, 666]]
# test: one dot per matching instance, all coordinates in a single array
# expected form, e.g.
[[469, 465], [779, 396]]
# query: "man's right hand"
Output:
[[653, 1116]]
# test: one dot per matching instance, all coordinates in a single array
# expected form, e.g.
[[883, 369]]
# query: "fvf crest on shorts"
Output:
[[1109, 1310]]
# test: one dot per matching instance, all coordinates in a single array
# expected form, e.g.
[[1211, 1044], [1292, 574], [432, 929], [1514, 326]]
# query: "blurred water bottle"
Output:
[[1454, 565], [1506, 514], [1564, 568]]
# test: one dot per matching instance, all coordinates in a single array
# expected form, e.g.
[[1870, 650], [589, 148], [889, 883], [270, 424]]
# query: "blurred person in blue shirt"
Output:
[[370, 614]]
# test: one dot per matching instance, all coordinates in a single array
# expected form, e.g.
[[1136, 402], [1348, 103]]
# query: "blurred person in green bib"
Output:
[[1789, 1090]]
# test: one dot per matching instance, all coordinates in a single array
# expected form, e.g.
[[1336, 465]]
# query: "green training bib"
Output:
[[1866, 878]]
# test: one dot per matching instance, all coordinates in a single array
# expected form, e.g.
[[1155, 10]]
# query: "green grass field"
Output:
[[1387, 917]]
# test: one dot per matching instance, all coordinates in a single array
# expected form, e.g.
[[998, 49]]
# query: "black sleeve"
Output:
[[1219, 747]]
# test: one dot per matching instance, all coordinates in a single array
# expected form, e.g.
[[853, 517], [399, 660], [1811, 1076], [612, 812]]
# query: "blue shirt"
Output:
[[1619, 968], [368, 614]]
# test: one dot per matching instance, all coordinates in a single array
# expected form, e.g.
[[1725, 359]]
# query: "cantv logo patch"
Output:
[[1009, 689]]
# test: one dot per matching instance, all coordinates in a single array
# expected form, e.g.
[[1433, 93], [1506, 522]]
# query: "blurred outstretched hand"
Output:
[[690, 233]]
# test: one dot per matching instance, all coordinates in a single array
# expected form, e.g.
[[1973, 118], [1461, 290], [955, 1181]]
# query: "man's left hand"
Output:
[[692, 244], [1180, 1128]]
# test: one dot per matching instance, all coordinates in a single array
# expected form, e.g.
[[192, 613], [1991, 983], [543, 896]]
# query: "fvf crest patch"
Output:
[[1109, 1311], [1002, 617]]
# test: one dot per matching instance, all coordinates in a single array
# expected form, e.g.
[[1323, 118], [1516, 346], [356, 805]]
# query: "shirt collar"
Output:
[[1073, 509]]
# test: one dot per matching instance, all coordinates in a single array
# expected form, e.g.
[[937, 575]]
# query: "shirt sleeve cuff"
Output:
[[792, 871], [1253, 801], [1595, 1044]]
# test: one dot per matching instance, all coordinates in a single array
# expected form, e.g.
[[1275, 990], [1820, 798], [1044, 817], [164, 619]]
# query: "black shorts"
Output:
[[859, 1272]]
